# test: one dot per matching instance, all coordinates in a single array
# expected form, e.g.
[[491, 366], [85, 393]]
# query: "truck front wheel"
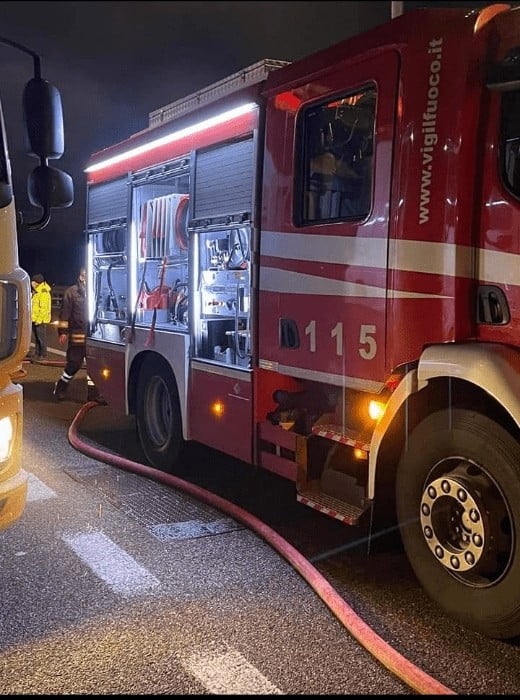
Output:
[[458, 507], [159, 423]]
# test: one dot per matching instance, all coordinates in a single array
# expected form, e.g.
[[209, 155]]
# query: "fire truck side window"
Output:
[[510, 141], [336, 168]]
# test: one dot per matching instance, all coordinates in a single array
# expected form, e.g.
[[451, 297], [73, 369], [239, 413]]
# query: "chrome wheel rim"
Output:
[[466, 522]]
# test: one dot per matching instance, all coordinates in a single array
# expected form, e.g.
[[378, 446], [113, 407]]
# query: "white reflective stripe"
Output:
[[286, 282], [343, 250], [413, 256], [228, 673], [500, 268], [432, 258], [396, 294], [37, 490], [428, 257], [326, 377], [111, 563]]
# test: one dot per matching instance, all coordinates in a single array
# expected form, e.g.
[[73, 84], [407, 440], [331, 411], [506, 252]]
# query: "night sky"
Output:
[[114, 62]]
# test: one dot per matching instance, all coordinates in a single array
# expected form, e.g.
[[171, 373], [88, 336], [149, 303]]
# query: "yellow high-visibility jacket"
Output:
[[41, 304]]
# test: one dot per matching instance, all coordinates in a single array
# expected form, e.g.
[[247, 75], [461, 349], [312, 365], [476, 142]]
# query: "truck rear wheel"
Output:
[[159, 422], [458, 506]]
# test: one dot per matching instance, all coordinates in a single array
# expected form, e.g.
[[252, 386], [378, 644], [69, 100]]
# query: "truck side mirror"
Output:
[[43, 119], [50, 188], [47, 187]]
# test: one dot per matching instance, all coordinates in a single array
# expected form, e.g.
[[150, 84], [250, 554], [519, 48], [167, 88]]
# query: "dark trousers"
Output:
[[75, 357], [74, 362], [40, 339]]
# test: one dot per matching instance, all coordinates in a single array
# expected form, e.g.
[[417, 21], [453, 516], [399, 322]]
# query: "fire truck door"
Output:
[[323, 251]]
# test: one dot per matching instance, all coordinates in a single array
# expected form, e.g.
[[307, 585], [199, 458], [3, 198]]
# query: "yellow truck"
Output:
[[47, 188]]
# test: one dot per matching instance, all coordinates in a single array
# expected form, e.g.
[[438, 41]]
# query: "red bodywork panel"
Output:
[[305, 283], [416, 284], [226, 427], [106, 367]]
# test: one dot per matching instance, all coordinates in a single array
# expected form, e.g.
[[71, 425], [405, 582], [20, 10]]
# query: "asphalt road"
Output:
[[116, 584]]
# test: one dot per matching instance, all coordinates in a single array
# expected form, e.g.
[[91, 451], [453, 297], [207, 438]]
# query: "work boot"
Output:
[[60, 389], [94, 395]]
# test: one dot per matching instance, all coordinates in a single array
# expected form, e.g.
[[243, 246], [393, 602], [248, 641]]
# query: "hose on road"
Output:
[[401, 667], [48, 363]]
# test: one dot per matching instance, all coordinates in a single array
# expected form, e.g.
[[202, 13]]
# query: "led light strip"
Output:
[[175, 136]]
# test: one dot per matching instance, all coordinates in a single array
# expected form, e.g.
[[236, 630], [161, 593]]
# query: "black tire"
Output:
[[458, 507], [158, 414]]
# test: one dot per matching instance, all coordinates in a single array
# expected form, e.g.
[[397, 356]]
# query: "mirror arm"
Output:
[[21, 47]]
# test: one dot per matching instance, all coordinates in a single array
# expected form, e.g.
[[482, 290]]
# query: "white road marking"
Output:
[[228, 673], [111, 563], [37, 490]]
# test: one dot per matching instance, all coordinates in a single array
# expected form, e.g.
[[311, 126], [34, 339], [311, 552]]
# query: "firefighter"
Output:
[[72, 328]]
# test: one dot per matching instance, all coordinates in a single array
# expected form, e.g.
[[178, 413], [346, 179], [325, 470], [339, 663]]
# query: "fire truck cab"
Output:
[[314, 268]]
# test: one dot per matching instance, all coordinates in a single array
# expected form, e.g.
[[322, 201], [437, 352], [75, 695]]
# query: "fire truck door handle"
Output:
[[289, 336], [492, 306]]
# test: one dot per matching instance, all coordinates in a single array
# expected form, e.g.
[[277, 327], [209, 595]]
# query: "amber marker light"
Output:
[[217, 408], [360, 454], [376, 409], [105, 373]]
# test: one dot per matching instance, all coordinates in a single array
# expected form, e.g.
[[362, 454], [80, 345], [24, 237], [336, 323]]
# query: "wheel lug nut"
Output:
[[432, 493], [461, 495], [454, 562], [425, 508], [477, 540], [474, 515], [445, 486], [428, 533], [469, 557], [439, 552]]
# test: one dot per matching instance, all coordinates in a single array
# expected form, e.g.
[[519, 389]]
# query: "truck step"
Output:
[[333, 507], [342, 435]]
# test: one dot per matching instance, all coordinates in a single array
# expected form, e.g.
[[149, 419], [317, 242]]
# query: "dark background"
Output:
[[114, 62]]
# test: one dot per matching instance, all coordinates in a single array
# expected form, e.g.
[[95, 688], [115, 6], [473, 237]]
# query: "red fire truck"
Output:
[[315, 268]]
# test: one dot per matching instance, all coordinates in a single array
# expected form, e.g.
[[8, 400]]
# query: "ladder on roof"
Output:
[[248, 76]]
